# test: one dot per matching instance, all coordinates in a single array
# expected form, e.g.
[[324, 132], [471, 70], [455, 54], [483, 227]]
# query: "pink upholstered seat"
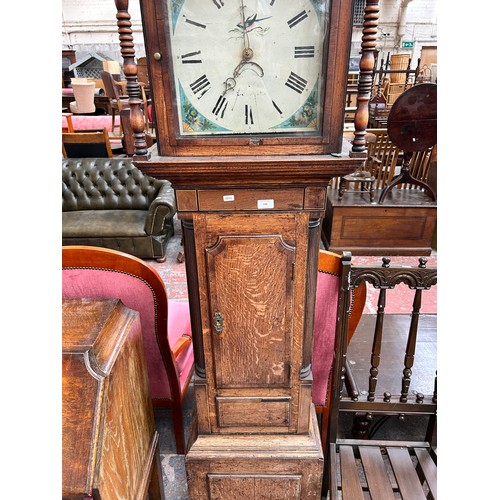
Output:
[[325, 318], [325, 324], [92, 272]]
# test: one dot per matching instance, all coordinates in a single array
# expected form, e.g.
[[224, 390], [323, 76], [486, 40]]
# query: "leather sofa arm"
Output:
[[162, 208]]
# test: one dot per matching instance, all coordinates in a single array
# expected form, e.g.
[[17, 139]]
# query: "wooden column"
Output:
[[130, 70], [365, 82]]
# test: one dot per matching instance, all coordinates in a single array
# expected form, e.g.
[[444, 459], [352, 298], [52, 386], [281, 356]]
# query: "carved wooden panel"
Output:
[[270, 412], [253, 346], [253, 487]]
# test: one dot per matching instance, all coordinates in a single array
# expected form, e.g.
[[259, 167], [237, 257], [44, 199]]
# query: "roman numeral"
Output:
[[188, 58], [200, 85], [277, 108], [194, 23], [297, 19], [220, 106], [248, 115], [305, 51], [218, 3], [295, 82]]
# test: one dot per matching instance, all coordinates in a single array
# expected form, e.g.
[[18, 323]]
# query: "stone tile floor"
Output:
[[173, 469]]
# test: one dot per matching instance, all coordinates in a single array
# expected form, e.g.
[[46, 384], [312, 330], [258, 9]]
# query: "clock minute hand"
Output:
[[245, 22], [247, 55]]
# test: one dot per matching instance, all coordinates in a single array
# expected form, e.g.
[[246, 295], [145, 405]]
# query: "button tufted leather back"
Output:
[[106, 184]]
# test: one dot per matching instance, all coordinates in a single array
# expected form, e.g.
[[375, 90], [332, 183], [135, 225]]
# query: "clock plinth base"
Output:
[[229, 466]]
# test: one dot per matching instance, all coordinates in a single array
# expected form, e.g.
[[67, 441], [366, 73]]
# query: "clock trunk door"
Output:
[[253, 269], [251, 305]]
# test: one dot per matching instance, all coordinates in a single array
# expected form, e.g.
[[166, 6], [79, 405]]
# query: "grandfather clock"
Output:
[[248, 103]]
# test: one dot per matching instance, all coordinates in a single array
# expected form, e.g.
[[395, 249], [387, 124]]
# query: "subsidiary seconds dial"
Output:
[[247, 66]]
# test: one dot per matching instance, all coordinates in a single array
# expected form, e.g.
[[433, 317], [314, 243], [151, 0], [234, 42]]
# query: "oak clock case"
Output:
[[247, 66], [236, 74]]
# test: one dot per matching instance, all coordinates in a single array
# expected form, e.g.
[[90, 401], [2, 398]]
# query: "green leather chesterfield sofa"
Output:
[[109, 202]]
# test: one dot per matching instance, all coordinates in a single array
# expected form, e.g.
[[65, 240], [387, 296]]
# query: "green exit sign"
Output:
[[407, 45]]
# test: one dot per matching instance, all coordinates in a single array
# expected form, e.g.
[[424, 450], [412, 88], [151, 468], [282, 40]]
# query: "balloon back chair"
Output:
[[93, 272], [325, 322]]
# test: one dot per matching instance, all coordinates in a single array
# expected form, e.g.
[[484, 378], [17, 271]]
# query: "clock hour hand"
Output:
[[230, 82]]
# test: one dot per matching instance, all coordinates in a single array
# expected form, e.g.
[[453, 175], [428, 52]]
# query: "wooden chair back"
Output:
[[382, 156], [392, 390], [142, 71], [102, 273], [384, 159], [86, 144], [110, 87], [117, 101]]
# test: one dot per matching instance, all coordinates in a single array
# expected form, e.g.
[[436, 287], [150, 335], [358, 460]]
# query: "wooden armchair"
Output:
[[393, 467], [93, 272], [117, 101], [325, 320]]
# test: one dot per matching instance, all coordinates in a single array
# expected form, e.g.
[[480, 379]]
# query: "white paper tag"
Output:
[[228, 197], [263, 204]]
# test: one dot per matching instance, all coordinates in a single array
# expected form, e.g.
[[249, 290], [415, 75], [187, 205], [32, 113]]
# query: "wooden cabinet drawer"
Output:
[[250, 199], [253, 411]]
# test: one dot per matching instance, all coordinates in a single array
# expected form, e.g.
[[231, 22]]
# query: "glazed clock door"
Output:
[[255, 274], [249, 77], [237, 71]]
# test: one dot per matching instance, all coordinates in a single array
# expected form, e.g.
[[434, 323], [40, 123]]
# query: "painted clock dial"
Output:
[[247, 66]]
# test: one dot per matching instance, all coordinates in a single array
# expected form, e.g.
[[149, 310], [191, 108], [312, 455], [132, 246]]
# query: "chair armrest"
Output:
[[162, 209], [182, 343]]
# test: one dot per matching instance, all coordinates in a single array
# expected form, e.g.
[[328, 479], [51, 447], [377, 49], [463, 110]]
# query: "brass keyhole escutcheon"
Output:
[[218, 322]]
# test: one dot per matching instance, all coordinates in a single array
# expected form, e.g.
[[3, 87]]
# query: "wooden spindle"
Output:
[[365, 81], [130, 70], [410, 346], [377, 345]]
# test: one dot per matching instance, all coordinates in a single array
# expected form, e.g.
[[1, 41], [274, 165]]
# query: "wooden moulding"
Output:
[[208, 172], [243, 466]]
